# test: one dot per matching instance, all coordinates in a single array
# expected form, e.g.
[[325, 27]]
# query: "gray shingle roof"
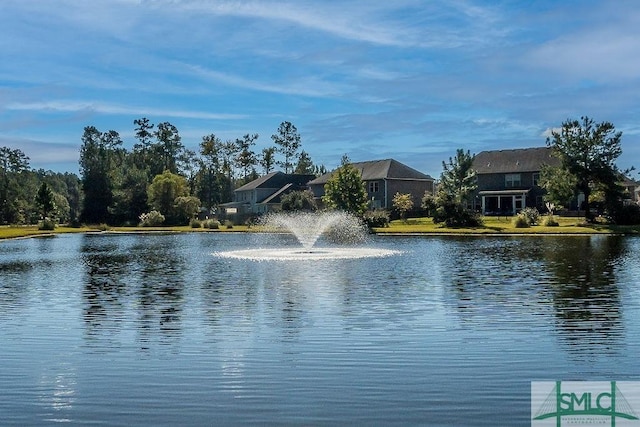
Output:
[[275, 180], [277, 196], [257, 183], [380, 169], [514, 161]]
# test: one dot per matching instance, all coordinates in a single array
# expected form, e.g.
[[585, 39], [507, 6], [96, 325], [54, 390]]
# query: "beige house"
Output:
[[383, 179]]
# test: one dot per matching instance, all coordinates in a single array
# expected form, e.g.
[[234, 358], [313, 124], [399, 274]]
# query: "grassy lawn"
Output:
[[492, 225], [502, 225], [10, 232], [177, 229]]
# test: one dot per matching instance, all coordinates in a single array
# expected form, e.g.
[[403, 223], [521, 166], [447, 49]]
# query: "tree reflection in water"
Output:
[[586, 295], [105, 270], [527, 279], [159, 292], [124, 277]]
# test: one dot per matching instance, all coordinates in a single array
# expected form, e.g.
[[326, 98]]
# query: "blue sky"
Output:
[[405, 79]]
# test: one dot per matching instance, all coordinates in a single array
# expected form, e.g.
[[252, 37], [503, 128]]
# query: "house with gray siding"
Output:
[[508, 179], [383, 179], [264, 194]]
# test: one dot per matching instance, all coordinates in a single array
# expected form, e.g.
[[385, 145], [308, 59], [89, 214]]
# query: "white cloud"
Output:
[[599, 56], [548, 133], [103, 108], [601, 47], [44, 154], [406, 75], [344, 20], [305, 86], [360, 21]]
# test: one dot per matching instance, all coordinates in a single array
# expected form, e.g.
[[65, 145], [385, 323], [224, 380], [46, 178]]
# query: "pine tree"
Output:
[[44, 200], [345, 190]]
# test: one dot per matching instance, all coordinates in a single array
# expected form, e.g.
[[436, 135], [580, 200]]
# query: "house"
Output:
[[264, 194], [383, 179], [631, 189], [508, 179]]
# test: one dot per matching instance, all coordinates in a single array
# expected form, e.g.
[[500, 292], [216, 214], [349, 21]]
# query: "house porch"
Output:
[[503, 202]]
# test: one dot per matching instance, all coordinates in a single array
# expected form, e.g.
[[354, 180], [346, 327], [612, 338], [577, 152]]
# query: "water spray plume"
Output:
[[336, 227]]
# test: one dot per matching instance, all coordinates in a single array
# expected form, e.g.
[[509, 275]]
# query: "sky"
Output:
[[412, 80]]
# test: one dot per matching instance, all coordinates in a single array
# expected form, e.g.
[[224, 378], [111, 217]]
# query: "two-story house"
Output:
[[383, 179], [264, 194], [508, 179]]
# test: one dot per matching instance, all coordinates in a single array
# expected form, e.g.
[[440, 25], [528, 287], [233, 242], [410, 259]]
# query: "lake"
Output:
[[155, 329]]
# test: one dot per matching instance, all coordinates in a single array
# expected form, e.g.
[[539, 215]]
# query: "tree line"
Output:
[[117, 185], [20, 185]]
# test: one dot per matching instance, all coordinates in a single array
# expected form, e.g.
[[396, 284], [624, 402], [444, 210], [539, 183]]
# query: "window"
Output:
[[373, 187], [512, 180], [536, 179], [519, 203]]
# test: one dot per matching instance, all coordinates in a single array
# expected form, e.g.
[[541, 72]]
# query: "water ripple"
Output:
[[436, 334]]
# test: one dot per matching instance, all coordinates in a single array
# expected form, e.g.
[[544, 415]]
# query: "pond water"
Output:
[[109, 329]]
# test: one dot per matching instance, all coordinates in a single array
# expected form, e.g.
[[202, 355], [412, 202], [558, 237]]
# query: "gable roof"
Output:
[[277, 196], [275, 180], [380, 169], [514, 161]]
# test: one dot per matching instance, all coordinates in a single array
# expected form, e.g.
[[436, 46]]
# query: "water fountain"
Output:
[[337, 227]]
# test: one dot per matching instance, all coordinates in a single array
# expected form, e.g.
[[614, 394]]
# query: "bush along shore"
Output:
[[509, 225], [521, 224]]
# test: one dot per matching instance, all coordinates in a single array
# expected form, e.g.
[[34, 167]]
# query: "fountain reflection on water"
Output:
[[336, 226]]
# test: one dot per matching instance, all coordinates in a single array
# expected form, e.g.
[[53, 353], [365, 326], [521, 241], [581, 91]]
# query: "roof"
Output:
[[276, 180], [629, 182], [277, 196], [503, 192], [380, 169], [514, 161]]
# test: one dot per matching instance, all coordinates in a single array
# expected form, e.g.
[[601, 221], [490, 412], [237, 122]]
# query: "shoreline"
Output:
[[31, 233]]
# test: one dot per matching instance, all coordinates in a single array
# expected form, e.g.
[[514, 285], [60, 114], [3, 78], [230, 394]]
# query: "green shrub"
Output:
[[103, 227], [520, 221], [184, 209], [299, 201], [212, 224], [377, 219], [453, 213], [228, 224], [47, 224], [531, 214], [550, 221], [151, 219], [195, 223], [627, 215]]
